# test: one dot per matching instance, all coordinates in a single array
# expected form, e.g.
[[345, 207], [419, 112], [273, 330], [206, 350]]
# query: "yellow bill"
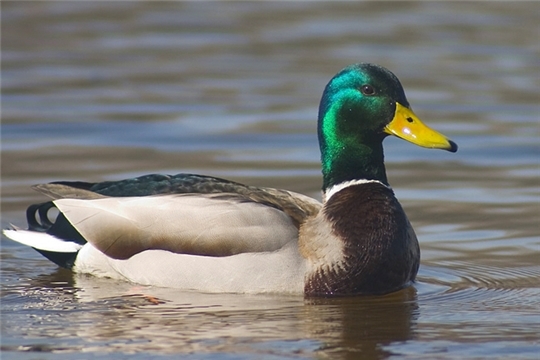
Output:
[[407, 126]]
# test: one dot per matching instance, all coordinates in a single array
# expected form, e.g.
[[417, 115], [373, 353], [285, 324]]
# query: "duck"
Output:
[[208, 234]]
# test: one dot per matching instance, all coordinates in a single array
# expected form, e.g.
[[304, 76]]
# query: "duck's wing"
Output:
[[297, 206], [152, 184], [61, 190], [184, 213], [209, 225]]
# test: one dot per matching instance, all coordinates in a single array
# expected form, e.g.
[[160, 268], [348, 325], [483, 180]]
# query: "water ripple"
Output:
[[496, 287]]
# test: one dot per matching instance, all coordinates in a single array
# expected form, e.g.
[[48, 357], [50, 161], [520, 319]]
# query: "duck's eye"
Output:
[[367, 90]]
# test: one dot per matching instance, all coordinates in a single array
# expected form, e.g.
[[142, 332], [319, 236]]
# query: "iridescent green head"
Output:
[[360, 106]]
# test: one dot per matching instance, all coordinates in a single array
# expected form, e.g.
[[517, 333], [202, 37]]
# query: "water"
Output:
[[99, 91]]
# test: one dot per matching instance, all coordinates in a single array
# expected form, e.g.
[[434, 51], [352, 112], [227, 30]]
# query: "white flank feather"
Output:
[[280, 271], [42, 241]]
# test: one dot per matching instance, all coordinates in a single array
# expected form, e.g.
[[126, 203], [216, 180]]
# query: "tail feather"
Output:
[[42, 241], [61, 252], [57, 240], [42, 209]]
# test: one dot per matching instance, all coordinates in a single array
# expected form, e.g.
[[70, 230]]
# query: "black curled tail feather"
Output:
[[38, 219], [42, 210]]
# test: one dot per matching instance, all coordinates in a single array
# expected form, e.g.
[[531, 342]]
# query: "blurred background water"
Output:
[[98, 91]]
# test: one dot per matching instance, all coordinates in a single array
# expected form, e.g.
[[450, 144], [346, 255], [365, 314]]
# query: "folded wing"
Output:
[[209, 224]]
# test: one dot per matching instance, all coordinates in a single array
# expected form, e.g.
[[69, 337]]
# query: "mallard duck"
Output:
[[210, 234]]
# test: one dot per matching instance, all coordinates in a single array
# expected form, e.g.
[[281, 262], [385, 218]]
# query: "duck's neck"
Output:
[[345, 156]]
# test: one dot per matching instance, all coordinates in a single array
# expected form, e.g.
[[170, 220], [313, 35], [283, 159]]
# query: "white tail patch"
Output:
[[42, 241]]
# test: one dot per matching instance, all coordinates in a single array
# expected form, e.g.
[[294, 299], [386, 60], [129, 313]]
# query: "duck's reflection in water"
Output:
[[109, 315]]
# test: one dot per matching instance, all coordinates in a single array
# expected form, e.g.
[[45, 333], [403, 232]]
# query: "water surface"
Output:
[[98, 91]]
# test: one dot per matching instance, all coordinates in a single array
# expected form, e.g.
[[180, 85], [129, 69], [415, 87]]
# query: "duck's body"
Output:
[[196, 232], [250, 273]]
